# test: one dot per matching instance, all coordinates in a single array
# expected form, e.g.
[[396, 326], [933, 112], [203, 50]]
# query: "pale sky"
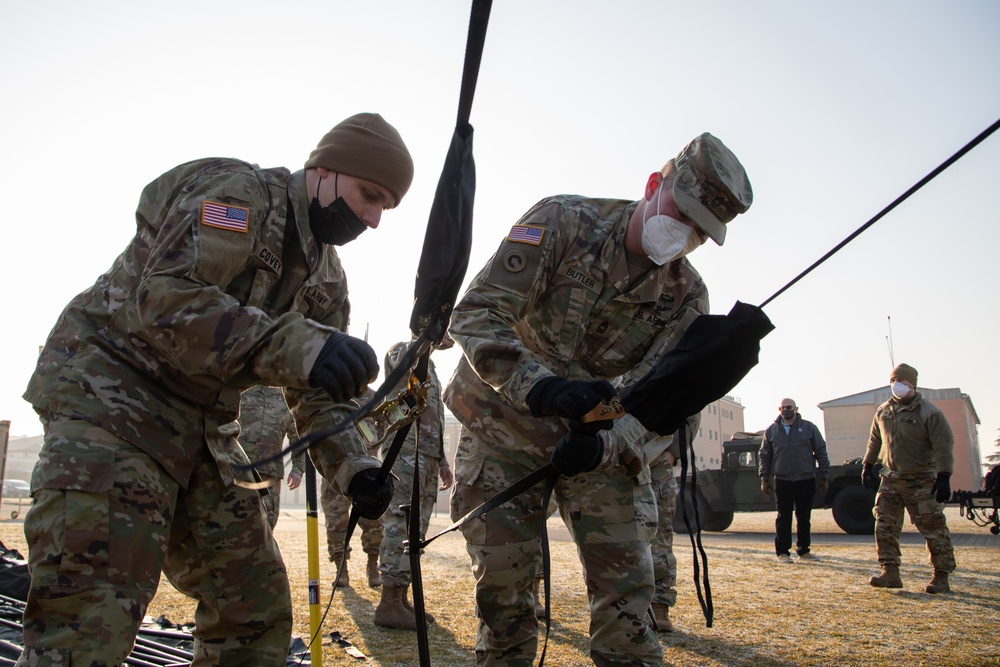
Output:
[[835, 109]]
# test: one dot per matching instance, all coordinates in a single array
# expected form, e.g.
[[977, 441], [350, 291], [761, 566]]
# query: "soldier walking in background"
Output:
[[793, 451], [914, 442], [581, 291], [394, 609], [265, 422]]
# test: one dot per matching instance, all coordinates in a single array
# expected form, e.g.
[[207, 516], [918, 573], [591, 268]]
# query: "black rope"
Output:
[[921, 183]]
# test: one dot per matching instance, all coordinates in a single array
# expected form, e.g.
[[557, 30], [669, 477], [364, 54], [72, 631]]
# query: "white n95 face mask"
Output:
[[665, 239], [899, 390]]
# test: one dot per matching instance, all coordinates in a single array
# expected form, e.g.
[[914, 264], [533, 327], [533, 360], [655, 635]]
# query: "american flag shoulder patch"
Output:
[[225, 216], [526, 234]]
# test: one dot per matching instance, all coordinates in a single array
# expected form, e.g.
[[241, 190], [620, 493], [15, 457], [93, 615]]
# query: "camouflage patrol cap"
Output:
[[366, 146], [711, 187]]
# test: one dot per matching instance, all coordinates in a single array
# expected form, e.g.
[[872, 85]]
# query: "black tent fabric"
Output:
[[712, 356], [448, 239]]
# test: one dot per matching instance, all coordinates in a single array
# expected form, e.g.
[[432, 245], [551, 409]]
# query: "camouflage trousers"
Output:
[[612, 518], [337, 512], [914, 495], [662, 546], [394, 565], [107, 519]]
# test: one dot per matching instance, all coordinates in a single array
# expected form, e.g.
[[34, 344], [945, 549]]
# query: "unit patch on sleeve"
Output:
[[225, 216], [526, 234]]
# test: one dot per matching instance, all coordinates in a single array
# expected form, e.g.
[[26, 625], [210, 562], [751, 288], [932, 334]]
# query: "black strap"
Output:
[[511, 492], [550, 483], [414, 549], [549, 475], [473, 57], [695, 535]]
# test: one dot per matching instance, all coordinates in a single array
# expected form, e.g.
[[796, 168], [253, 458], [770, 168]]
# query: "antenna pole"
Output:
[[892, 360]]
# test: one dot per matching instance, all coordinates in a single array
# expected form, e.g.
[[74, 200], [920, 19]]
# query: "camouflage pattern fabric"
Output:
[[558, 298], [612, 519], [914, 442], [914, 495], [427, 434], [664, 562], [337, 510], [265, 422], [158, 350], [911, 438], [205, 301], [91, 585]]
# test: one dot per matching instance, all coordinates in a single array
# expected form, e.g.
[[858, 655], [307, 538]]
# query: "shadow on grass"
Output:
[[678, 643]]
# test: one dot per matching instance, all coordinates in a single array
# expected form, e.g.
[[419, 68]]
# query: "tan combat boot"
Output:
[[939, 584], [537, 605], [392, 611], [406, 603], [888, 579], [661, 617], [374, 579], [344, 580]]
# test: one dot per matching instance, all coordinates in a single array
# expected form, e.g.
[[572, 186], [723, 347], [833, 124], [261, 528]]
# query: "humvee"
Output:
[[736, 488]]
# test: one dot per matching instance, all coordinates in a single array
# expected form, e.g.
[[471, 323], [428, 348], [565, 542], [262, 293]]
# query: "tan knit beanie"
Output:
[[904, 372], [366, 146]]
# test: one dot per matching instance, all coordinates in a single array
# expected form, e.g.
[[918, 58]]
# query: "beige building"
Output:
[[848, 421], [719, 421]]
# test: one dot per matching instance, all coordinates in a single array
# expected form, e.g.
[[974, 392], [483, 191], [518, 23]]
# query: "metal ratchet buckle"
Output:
[[394, 413], [611, 410]]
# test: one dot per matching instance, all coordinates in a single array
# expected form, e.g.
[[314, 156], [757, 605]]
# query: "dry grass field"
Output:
[[767, 614]]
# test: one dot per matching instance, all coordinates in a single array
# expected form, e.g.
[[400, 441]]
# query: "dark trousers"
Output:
[[788, 497]]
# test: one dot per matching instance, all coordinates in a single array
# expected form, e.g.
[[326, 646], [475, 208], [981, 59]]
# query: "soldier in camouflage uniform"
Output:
[[581, 291], [231, 280], [914, 442], [337, 510], [264, 423], [426, 442]]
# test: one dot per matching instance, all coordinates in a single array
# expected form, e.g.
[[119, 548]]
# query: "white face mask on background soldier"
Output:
[[665, 239], [900, 390]]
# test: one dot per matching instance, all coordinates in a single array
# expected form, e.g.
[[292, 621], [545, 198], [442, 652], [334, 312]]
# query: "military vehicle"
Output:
[[736, 488]]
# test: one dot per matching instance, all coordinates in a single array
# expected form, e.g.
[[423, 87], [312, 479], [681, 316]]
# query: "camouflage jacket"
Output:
[[432, 421], [555, 299], [264, 423], [911, 439], [212, 295]]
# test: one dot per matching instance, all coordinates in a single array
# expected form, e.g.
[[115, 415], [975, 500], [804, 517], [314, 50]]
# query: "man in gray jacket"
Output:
[[790, 451]]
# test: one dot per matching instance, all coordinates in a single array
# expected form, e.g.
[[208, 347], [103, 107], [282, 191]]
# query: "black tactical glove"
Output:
[[765, 486], [577, 452], [869, 479], [564, 398], [368, 495], [345, 366], [824, 485], [941, 488]]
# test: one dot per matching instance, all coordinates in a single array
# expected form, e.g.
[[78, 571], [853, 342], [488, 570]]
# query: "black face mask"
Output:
[[788, 414], [335, 224]]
